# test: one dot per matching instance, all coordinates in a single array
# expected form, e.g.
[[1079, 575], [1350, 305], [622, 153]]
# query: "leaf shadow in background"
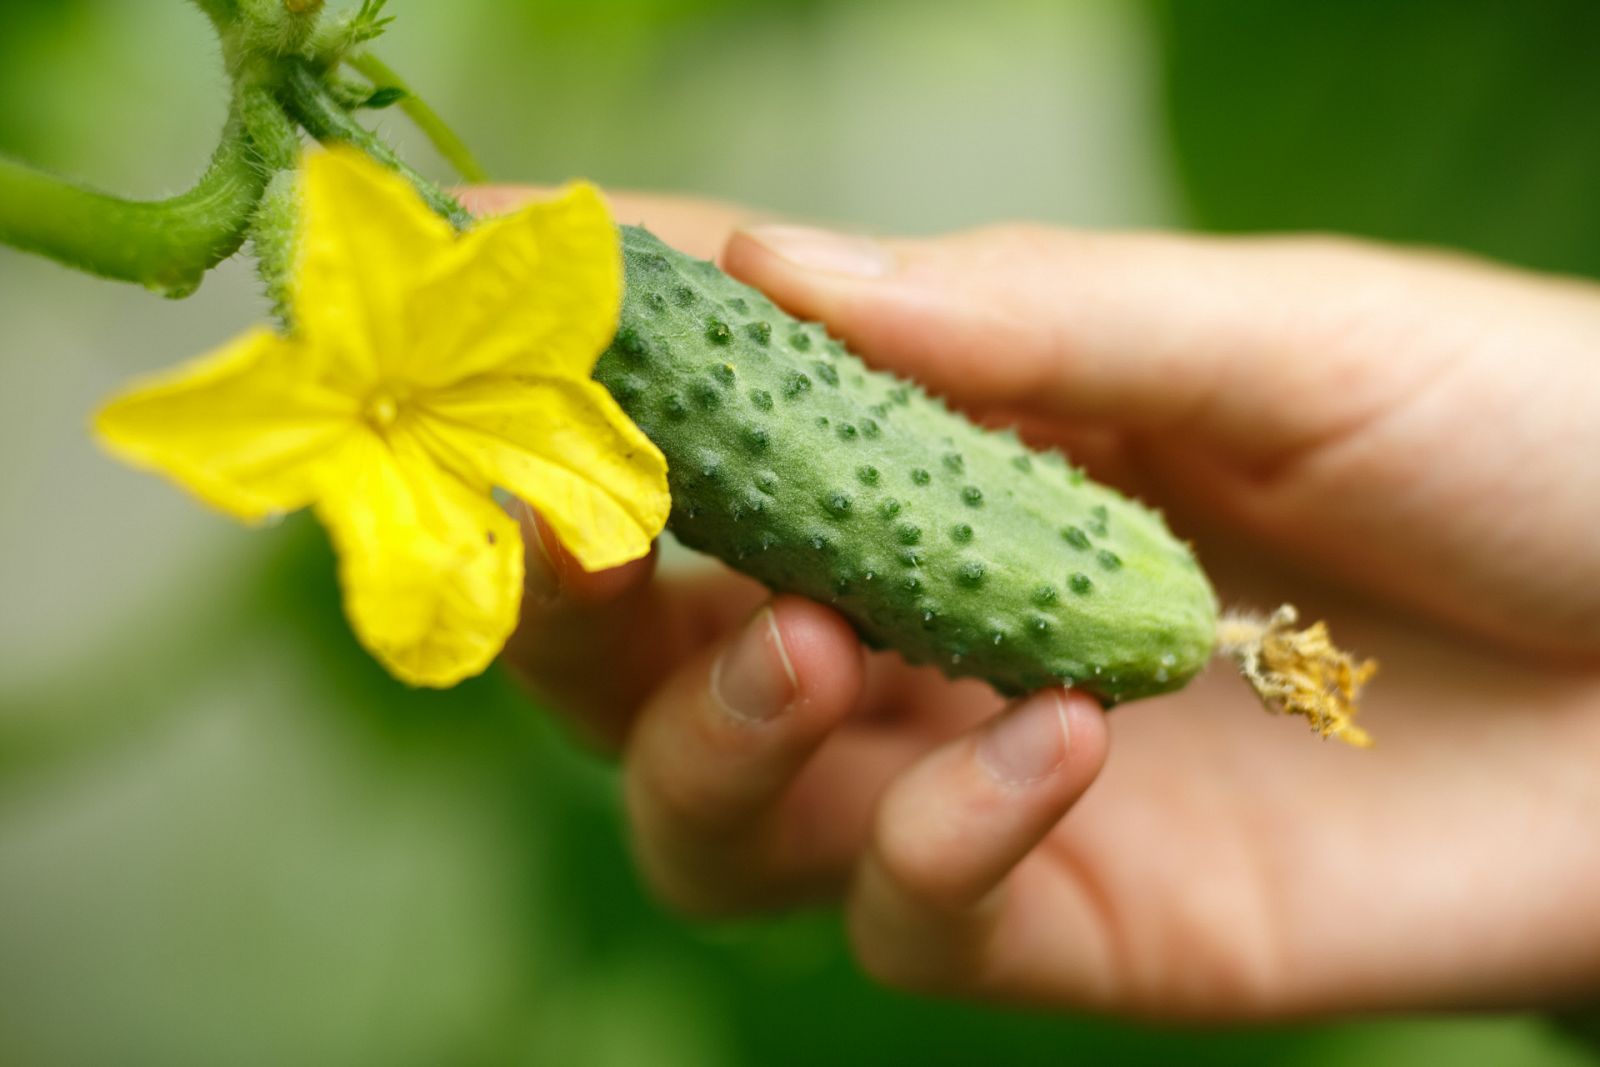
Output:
[[1467, 125]]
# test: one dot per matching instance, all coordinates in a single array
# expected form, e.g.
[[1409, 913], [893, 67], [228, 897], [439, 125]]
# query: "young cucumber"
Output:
[[794, 463]]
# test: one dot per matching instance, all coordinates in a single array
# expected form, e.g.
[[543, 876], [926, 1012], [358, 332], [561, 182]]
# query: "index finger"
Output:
[[594, 646], [697, 226]]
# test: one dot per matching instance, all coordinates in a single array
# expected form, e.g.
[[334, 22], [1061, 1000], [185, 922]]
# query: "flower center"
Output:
[[382, 408]]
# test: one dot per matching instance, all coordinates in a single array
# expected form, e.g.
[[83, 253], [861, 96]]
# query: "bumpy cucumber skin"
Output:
[[794, 463]]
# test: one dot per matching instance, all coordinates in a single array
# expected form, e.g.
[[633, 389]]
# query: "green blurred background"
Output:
[[227, 838]]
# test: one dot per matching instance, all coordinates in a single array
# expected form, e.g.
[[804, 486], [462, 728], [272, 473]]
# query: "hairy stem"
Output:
[[272, 240], [270, 28], [166, 245], [439, 134], [272, 226], [220, 12], [308, 99]]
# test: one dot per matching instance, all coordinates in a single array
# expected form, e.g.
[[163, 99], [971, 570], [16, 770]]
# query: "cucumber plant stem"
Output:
[[221, 13], [166, 245], [307, 99], [439, 134]]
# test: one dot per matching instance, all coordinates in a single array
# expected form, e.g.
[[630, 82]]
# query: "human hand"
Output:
[[1314, 412]]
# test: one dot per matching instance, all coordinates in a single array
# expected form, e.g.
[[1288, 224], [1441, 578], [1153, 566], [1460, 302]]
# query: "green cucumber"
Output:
[[793, 462]]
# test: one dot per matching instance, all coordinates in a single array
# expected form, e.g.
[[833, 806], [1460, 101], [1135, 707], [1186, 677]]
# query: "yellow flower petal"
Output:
[[425, 369], [564, 446], [241, 428], [535, 292], [431, 567], [366, 240]]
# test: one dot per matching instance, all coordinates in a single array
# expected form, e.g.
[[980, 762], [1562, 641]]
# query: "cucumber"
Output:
[[793, 462]]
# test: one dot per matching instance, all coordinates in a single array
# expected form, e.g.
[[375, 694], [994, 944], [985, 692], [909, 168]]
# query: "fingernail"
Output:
[[753, 679], [1027, 741], [824, 250], [541, 583]]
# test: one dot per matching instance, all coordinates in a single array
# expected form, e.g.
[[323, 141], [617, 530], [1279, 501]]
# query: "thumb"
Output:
[[1244, 342]]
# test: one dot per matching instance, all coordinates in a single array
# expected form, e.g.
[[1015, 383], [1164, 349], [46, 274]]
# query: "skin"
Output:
[[1403, 443]]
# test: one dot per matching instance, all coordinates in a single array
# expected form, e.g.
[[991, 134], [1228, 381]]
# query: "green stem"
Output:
[[272, 224], [166, 245], [220, 12], [270, 28], [439, 134], [310, 102], [272, 239]]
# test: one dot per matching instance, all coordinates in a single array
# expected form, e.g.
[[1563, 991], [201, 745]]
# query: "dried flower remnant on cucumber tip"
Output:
[[1299, 672]]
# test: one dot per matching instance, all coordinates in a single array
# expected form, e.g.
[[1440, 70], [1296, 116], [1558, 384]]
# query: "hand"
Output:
[[1398, 442]]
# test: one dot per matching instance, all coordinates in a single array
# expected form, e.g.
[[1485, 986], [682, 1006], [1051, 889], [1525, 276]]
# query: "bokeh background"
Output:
[[227, 838]]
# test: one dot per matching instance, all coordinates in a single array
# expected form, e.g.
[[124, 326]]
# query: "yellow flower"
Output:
[[425, 369]]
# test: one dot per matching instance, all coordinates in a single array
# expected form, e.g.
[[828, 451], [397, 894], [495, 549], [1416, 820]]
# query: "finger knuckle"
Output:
[[886, 959], [916, 856], [678, 794], [684, 861], [1223, 965], [905, 957], [685, 892]]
